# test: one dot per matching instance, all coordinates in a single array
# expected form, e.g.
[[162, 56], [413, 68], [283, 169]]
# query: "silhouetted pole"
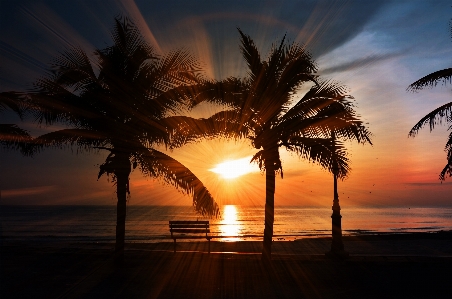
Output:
[[337, 246]]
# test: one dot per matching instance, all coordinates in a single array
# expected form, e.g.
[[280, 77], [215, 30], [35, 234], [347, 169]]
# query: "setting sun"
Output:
[[234, 168]]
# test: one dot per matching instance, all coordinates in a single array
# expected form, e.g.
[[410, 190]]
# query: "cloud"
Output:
[[330, 24], [27, 191], [106, 196], [424, 184], [358, 63]]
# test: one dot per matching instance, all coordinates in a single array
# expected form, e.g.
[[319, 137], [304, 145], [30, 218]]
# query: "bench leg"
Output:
[[174, 245]]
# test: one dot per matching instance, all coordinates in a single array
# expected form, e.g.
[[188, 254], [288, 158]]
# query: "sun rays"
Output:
[[232, 169]]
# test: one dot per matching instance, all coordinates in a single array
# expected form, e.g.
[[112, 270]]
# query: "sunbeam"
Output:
[[232, 169]]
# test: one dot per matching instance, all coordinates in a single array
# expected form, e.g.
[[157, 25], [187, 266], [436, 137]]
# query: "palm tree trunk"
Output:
[[121, 190], [122, 172], [270, 178]]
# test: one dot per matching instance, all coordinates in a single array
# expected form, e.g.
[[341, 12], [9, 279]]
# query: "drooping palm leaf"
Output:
[[324, 108], [73, 69], [436, 116], [321, 150], [447, 170], [431, 80], [83, 139], [184, 129], [13, 137], [159, 165], [14, 101], [251, 55], [433, 118]]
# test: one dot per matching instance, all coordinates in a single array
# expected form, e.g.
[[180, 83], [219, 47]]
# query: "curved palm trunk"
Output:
[[270, 178]]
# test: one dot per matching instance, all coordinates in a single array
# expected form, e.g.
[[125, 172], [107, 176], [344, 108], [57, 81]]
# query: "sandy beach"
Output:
[[379, 266]]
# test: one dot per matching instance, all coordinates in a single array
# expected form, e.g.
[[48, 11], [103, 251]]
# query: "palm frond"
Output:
[[431, 80], [269, 159], [129, 41], [448, 149], [225, 124], [231, 92], [51, 102], [447, 170], [177, 68], [13, 137], [324, 108], [159, 165], [14, 101], [184, 129], [329, 153], [433, 118], [230, 123], [73, 69], [344, 122], [251, 55], [299, 68], [277, 57], [323, 94], [117, 161], [84, 139]]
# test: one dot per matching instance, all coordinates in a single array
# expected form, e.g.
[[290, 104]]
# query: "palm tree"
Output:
[[11, 136], [436, 116], [267, 109], [122, 104]]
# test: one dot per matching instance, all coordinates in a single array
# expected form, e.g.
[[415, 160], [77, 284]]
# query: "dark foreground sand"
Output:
[[388, 266]]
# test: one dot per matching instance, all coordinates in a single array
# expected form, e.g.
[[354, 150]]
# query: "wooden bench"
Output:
[[189, 230]]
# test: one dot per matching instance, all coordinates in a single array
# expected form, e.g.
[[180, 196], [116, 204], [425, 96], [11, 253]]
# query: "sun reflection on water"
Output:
[[229, 225]]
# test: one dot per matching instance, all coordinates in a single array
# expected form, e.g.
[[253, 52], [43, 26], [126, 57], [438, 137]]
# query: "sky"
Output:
[[375, 48]]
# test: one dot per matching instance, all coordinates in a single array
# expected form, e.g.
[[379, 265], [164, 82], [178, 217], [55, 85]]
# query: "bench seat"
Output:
[[185, 229]]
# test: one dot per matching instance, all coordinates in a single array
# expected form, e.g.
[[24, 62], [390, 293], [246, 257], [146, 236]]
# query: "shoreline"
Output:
[[425, 243], [386, 266], [435, 234]]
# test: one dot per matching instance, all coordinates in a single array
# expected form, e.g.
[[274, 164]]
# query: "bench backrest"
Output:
[[189, 227]]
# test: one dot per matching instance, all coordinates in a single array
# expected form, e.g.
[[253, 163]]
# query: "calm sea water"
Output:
[[150, 223]]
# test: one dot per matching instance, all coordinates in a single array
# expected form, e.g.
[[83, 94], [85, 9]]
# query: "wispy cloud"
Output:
[[425, 184], [359, 63], [27, 191]]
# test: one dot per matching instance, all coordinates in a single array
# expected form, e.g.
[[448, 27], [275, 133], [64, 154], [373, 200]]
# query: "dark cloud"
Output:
[[358, 63], [31, 30]]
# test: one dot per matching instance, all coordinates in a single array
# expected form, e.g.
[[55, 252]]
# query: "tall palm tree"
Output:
[[122, 104], [267, 109], [436, 116], [12, 136]]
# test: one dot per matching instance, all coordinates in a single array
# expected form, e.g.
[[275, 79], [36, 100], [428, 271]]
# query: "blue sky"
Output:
[[375, 48]]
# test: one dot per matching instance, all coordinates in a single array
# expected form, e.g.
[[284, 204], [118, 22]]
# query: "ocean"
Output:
[[150, 223]]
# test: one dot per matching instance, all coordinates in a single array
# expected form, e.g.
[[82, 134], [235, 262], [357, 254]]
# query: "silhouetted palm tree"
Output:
[[437, 115], [268, 110], [11, 136], [123, 104]]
